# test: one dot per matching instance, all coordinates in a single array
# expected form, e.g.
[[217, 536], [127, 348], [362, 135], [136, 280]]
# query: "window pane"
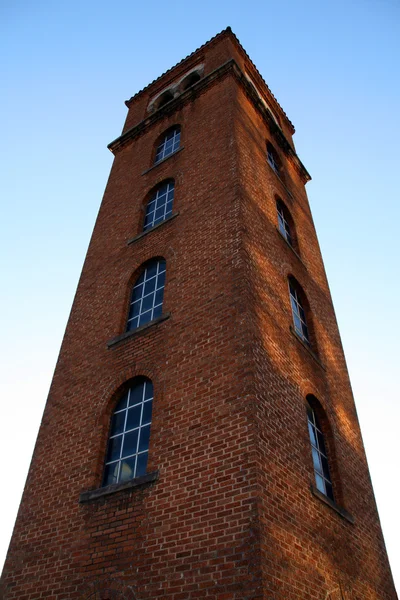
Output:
[[325, 468], [146, 418], [157, 312], [142, 464], [130, 443], [321, 442], [133, 419], [329, 490], [160, 213], [144, 438], [133, 324], [161, 280], [317, 461], [320, 483], [134, 309], [122, 403], [151, 269], [114, 448], [149, 286], [147, 303], [127, 469], [111, 474], [148, 390], [145, 318], [137, 292], [159, 297], [311, 431], [118, 422], [136, 394]]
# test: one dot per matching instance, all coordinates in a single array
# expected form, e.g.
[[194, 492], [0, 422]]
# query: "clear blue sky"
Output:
[[67, 68]]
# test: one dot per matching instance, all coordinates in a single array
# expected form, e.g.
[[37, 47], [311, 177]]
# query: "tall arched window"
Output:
[[128, 443], [169, 143], [284, 222], [319, 454], [298, 312], [159, 206], [147, 294]]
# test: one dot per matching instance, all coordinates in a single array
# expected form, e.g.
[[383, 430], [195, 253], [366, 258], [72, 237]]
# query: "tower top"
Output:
[[227, 32]]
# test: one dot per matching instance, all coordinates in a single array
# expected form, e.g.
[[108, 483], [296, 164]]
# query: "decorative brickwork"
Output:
[[230, 507]]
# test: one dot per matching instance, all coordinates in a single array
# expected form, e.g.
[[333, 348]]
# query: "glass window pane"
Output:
[[159, 297], [137, 292], [320, 483], [311, 431], [130, 443], [325, 468], [149, 286], [317, 461], [118, 421], [321, 442], [146, 418], [133, 419], [141, 467], [157, 312], [145, 318], [123, 402], [161, 280], [148, 391], [297, 324], [127, 469], [151, 269], [111, 474], [134, 309], [136, 394], [160, 213], [329, 490], [114, 448], [144, 438], [148, 302], [133, 324]]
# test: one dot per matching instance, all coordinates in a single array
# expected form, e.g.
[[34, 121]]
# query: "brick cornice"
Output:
[[232, 67]]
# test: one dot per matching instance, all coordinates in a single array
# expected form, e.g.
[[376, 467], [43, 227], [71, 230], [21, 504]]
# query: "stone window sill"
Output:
[[137, 331], [144, 233], [307, 347], [160, 162], [341, 511], [291, 247], [118, 487]]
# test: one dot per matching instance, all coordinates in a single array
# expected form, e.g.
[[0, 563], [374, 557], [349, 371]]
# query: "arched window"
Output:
[[190, 80], [128, 443], [169, 143], [272, 158], [284, 222], [167, 96], [159, 206], [147, 294], [298, 312], [319, 454]]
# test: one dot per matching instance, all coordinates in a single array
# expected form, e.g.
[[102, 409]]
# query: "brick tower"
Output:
[[200, 438]]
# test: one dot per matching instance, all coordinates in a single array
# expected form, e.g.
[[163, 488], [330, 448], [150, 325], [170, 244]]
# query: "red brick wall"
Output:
[[231, 514], [307, 547]]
